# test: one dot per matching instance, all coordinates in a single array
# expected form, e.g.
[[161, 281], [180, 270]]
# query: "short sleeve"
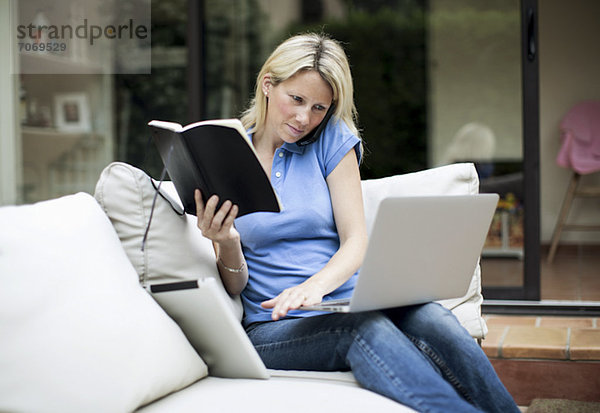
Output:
[[337, 140]]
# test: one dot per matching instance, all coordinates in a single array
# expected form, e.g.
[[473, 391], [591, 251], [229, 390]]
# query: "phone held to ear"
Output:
[[316, 132]]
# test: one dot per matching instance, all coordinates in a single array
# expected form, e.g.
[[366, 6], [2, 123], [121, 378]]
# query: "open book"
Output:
[[217, 157]]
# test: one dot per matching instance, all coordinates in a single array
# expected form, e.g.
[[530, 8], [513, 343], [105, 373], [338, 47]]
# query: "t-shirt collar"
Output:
[[290, 147]]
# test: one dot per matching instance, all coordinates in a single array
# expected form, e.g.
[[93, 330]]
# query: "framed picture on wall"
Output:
[[71, 112]]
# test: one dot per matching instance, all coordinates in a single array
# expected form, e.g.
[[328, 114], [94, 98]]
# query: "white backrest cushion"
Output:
[[78, 334], [175, 249], [455, 179]]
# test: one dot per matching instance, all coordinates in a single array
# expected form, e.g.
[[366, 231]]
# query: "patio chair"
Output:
[[580, 152]]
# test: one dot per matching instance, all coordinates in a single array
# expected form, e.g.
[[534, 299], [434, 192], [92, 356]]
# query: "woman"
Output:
[[311, 251]]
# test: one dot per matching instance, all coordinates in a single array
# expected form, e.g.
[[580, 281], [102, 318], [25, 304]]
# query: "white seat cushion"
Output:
[[279, 394]]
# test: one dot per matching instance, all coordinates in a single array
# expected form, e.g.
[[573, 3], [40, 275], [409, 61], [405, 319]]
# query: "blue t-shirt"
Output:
[[284, 249]]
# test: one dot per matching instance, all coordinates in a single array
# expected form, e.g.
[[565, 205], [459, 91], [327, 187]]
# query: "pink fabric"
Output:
[[580, 134]]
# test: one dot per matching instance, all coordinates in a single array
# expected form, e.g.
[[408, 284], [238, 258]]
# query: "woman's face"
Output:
[[296, 106]]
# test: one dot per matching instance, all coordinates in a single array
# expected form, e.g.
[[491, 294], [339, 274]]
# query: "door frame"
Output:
[[530, 289], [526, 299]]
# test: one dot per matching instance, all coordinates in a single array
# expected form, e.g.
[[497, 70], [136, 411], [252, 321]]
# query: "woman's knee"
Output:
[[370, 322], [431, 317], [366, 329]]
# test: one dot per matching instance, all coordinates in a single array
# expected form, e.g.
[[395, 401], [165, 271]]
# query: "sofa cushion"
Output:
[[78, 332], [175, 249], [455, 179], [288, 394]]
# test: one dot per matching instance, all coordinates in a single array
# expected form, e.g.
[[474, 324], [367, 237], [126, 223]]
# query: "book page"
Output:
[[175, 127]]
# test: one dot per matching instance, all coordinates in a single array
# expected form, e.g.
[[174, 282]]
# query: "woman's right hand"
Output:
[[217, 225]]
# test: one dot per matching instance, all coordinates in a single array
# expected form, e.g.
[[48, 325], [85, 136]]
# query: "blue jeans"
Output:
[[419, 356]]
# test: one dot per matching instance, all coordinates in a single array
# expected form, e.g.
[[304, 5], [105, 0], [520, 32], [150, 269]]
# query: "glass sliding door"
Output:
[[477, 101]]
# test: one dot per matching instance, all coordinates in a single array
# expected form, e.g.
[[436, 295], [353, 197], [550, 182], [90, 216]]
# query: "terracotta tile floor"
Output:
[[574, 275]]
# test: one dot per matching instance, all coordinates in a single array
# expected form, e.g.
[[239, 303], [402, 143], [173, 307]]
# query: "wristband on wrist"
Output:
[[234, 270]]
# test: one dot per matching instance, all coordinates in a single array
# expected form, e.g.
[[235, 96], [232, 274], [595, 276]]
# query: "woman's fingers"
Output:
[[275, 304], [219, 217], [199, 203], [215, 224], [209, 210], [205, 213], [269, 303], [231, 216], [289, 299]]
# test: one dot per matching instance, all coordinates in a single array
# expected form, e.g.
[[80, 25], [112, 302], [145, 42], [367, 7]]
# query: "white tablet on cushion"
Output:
[[201, 309]]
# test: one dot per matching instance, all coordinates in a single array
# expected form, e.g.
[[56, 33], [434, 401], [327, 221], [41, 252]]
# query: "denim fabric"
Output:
[[419, 356]]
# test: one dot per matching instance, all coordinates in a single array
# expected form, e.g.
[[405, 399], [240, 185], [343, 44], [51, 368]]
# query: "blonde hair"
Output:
[[302, 53]]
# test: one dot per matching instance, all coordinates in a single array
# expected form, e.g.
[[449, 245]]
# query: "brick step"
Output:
[[549, 338], [549, 379]]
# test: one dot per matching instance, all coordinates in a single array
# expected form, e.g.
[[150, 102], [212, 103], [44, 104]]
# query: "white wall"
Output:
[[569, 44]]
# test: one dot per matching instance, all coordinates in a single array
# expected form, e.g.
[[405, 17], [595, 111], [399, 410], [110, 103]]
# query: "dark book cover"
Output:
[[216, 157]]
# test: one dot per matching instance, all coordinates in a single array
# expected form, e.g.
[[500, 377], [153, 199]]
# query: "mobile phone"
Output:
[[316, 132]]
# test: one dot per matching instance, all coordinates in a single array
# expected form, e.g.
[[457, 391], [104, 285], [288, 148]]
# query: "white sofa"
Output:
[[78, 333]]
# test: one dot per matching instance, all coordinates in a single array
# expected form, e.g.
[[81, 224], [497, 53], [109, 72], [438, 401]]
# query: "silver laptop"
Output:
[[201, 310], [421, 249]]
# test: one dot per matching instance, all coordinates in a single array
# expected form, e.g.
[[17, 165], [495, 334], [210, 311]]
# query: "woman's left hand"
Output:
[[292, 299]]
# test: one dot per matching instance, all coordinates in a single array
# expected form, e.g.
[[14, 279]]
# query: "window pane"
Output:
[[160, 95]]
